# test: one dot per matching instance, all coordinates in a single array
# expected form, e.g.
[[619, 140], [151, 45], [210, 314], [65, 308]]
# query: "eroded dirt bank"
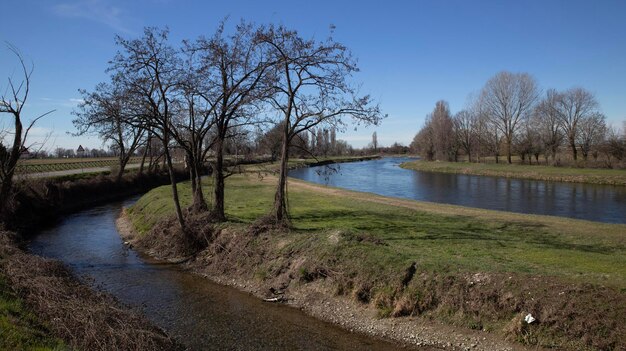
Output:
[[237, 259]]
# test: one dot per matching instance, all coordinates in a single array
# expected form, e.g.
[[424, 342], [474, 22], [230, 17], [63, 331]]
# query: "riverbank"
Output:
[[416, 265], [41, 201], [535, 172], [42, 304], [294, 163]]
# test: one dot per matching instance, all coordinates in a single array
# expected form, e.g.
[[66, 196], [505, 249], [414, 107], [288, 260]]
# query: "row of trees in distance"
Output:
[[511, 116]]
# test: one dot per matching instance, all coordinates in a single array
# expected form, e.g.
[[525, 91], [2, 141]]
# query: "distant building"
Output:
[[80, 151], [25, 153]]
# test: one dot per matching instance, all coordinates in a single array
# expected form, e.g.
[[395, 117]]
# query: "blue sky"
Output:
[[411, 53]]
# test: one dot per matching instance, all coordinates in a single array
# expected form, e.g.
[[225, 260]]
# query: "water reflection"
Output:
[[203, 315], [384, 176]]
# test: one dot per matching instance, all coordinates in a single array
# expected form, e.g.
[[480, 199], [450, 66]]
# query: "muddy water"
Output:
[[602, 203], [201, 314]]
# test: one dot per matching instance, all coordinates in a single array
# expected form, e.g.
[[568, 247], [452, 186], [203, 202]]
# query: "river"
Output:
[[201, 314], [603, 203]]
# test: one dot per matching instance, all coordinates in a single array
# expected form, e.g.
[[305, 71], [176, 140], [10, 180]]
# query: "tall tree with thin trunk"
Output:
[[194, 124], [573, 106], [424, 141], [311, 87], [546, 123], [443, 134], [488, 133], [466, 126], [233, 80], [148, 68], [508, 99], [12, 102], [105, 112], [591, 132]]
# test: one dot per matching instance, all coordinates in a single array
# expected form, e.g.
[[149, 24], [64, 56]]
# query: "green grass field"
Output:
[[442, 237], [550, 173], [19, 328]]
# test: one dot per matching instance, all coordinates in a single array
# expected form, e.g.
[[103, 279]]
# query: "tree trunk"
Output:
[[199, 204], [218, 177], [198, 196], [9, 170], [170, 168], [508, 150], [151, 165], [5, 191], [122, 166], [572, 144], [280, 214]]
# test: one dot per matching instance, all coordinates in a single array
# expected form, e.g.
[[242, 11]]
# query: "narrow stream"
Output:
[[602, 203], [201, 314]]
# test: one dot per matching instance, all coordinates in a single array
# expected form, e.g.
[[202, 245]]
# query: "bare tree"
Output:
[[105, 112], [269, 142], [193, 126], [527, 142], [466, 130], [310, 88], [12, 102], [233, 80], [488, 135], [443, 130], [614, 146], [573, 106], [424, 141], [547, 124], [148, 68], [591, 132], [333, 140], [508, 99]]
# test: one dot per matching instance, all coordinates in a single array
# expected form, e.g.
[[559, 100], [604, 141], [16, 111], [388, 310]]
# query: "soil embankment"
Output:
[[234, 258]]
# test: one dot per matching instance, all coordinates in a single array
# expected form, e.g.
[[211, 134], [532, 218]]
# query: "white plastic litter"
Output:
[[529, 318]]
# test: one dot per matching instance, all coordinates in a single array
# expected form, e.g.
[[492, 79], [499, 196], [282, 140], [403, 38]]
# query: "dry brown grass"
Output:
[[168, 241], [85, 319]]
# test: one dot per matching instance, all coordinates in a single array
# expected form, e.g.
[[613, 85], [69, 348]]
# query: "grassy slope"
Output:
[[565, 174], [19, 328], [366, 242], [442, 238]]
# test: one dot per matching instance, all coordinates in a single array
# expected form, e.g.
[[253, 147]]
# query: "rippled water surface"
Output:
[[601, 203], [203, 315]]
